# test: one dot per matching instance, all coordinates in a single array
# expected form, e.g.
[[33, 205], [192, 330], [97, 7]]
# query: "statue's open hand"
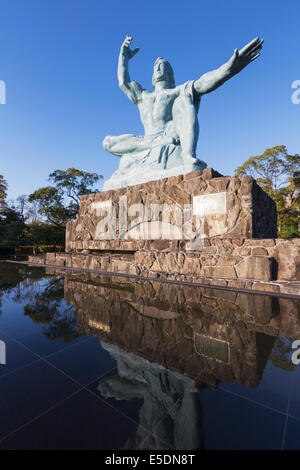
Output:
[[126, 50], [244, 56]]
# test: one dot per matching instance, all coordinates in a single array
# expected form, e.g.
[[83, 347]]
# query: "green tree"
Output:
[[278, 173], [36, 233], [59, 203], [11, 223], [11, 231], [11, 226]]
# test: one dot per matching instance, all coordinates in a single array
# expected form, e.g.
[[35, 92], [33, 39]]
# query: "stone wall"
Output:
[[228, 206], [259, 259]]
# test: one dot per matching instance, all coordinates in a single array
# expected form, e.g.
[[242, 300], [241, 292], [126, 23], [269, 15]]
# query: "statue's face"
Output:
[[162, 72], [159, 71]]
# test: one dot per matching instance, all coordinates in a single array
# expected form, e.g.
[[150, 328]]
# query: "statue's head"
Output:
[[163, 72]]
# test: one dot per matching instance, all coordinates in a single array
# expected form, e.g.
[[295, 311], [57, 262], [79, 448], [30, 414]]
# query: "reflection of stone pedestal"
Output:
[[199, 227], [163, 324]]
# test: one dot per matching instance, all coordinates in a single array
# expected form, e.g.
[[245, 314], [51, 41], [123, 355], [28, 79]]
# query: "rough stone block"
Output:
[[229, 260], [255, 267], [288, 257], [219, 271], [191, 266], [50, 258], [259, 251], [260, 286], [61, 260]]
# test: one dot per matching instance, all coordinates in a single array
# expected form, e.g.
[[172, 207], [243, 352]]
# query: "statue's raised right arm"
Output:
[[132, 89], [239, 60]]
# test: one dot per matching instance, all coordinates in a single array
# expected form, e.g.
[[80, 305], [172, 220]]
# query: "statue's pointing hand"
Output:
[[244, 56], [126, 50]]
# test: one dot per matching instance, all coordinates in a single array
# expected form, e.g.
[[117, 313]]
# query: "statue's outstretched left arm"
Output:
[[239, 60]]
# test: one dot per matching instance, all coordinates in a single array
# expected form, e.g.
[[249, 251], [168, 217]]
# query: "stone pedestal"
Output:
[[201, 227], [201, 204]]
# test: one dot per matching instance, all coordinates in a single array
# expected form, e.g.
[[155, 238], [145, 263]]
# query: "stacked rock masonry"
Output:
[[200, 227]]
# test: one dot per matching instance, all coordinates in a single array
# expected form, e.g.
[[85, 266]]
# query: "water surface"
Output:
[[99, 362]]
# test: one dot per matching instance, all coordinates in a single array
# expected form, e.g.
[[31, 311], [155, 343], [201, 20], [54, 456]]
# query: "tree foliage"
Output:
[[59, 202], [11, 228], [40, 233], [278, 173], [40, 218]]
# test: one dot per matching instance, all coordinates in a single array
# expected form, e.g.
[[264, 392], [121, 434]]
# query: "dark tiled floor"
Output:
[[29, 391], [292, 441], [80, 422], [265, 393], [294, 408], [42, 406], [16, 356], [231, 422], [84, 361]]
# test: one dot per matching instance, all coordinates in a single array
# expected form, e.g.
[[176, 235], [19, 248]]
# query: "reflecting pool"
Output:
[[97, 362]]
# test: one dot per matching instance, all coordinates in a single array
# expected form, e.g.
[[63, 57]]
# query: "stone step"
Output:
[[259, 268], [37, 259]]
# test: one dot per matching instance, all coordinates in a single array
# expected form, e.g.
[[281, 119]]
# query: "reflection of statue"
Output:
[[169, 116], [171, 407]]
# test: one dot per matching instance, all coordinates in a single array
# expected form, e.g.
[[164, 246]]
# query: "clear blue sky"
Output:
[[59, 62]]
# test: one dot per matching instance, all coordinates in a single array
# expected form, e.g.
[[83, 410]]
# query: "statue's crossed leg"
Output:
[[130, 143], [183, 130]]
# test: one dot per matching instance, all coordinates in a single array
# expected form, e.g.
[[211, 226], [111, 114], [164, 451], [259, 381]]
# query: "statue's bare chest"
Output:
[[158, 105]]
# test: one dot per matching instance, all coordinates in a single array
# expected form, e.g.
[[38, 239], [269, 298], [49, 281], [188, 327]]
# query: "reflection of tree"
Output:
[[15, 279], [42, 297], [280, 356], [12, 274], [47, 307]]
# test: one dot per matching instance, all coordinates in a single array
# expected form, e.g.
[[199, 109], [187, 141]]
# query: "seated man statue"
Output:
[[169, 117]]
